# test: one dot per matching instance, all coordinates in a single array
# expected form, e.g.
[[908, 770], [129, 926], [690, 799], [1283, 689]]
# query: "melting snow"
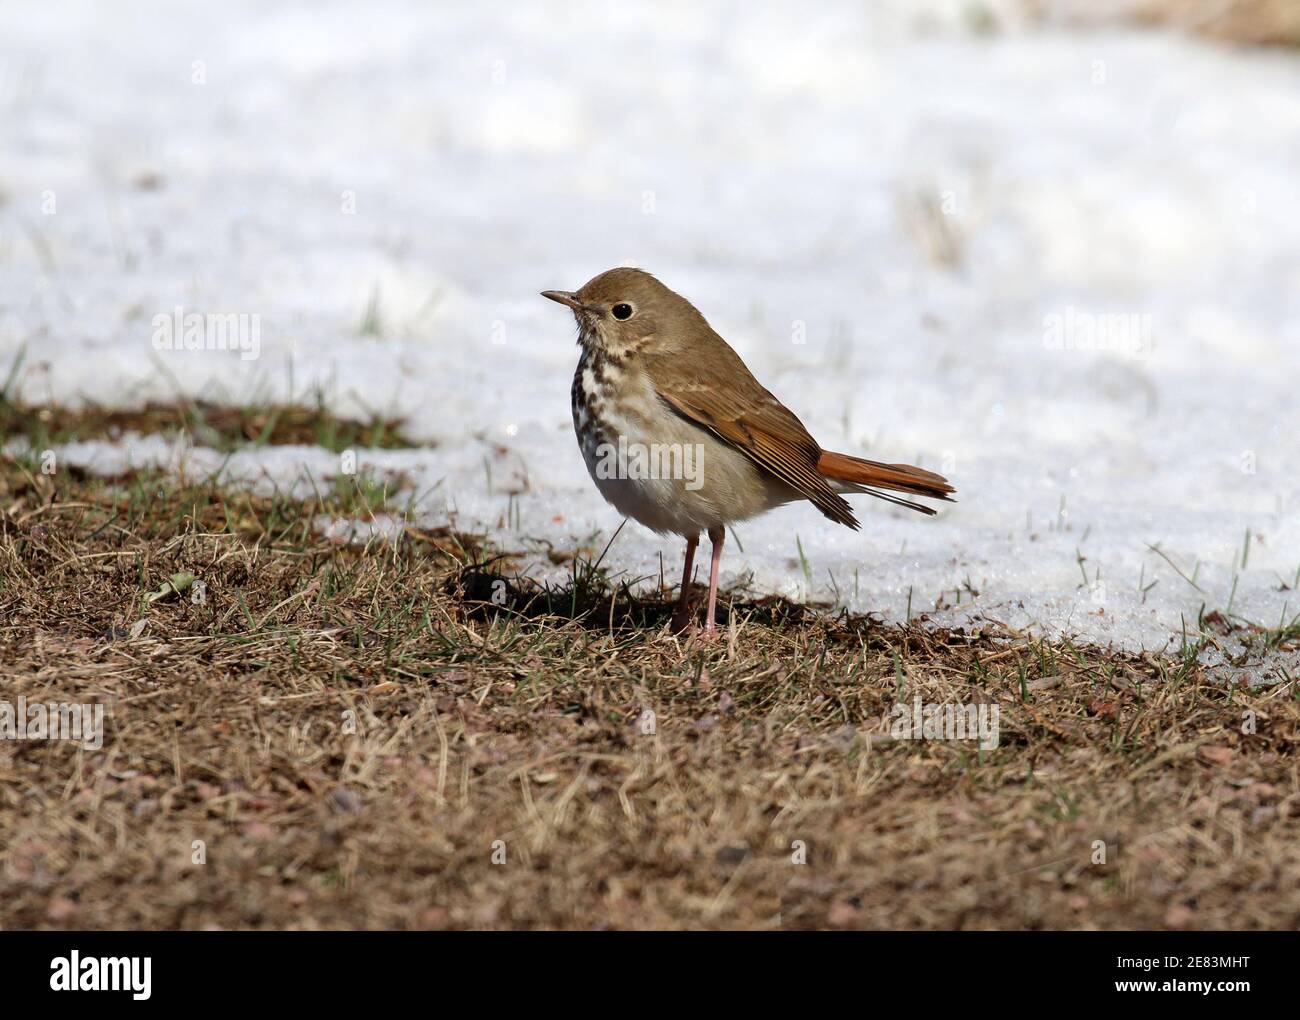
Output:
[[1061, 268]]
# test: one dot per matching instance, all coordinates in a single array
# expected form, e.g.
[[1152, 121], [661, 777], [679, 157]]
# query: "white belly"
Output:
[[666, 473]]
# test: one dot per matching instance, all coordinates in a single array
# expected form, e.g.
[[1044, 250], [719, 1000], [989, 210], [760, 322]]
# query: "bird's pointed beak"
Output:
[[564, 297]]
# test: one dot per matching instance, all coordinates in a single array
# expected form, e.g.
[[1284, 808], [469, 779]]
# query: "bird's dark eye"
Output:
[[622, 311]]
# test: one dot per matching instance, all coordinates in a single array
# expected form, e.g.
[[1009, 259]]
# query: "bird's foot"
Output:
[[683, 624]]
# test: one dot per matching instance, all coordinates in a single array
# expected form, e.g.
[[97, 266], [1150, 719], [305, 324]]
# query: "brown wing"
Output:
[[719, 393]]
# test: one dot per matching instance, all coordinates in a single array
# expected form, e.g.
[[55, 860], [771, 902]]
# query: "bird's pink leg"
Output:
[[681, 615], [716, 535]]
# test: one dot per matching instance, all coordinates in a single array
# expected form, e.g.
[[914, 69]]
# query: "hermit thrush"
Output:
[[678, 434]]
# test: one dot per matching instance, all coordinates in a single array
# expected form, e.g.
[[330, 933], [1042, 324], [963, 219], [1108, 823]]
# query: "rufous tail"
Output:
[[870, 475]]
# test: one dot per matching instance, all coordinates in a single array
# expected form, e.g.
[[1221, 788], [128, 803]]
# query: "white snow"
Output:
[[777, 166]]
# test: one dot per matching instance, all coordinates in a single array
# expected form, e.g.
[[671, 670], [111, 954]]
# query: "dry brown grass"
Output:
[[204, 423], [1244, 22], [1249, 22], [525, 723]]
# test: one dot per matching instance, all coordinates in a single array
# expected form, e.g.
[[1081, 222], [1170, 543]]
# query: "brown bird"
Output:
[[678, 434]]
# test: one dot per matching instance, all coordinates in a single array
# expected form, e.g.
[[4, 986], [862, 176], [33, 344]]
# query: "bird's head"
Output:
[[623, 312]]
